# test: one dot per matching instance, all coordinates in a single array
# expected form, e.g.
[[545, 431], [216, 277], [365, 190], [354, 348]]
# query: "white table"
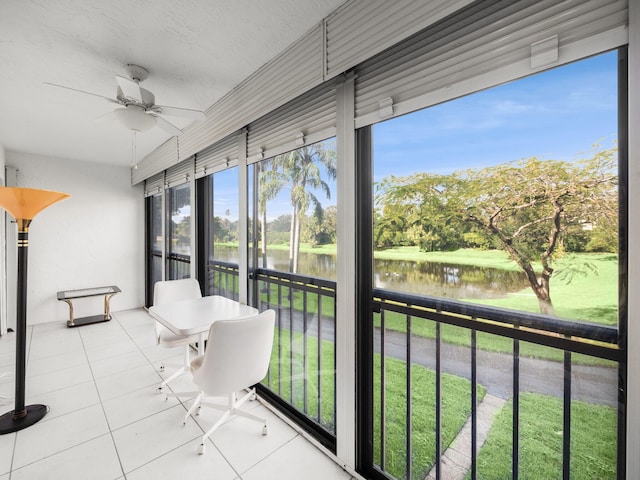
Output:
[[195, 316]]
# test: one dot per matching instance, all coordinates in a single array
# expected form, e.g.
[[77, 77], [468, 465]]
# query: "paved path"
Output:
[[495, 370], [456, 460]]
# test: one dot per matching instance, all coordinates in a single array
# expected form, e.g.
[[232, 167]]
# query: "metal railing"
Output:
[[178, 266], [302, 371], [301, 377], [222, 279], [439, 346]]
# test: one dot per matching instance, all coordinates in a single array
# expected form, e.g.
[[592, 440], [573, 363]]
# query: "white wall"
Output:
[[3, 290], [95, 238]]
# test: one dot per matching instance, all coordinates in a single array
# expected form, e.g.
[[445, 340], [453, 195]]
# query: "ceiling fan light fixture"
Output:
[[135, 118]]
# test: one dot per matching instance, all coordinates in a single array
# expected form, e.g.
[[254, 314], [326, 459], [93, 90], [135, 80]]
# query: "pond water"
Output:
[[425, 278]]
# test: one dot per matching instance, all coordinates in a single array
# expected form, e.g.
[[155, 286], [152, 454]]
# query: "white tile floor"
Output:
[[107, 422]]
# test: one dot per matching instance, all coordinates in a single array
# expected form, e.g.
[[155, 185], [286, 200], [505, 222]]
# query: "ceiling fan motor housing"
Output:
[[148, 98], [136, 72]]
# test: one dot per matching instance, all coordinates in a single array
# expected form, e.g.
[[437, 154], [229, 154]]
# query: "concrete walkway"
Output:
[[456, 460]]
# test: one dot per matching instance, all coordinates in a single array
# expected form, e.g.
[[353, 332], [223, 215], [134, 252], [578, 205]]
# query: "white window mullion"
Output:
[[346, 277], [163, 222], [243, 220], [193, 271]]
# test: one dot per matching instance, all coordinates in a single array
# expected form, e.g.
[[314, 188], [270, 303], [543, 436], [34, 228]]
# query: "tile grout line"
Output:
[[238, 475], [95, 385], [179, 401]]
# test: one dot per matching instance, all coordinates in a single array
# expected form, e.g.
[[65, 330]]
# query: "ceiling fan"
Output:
[[138, 111]]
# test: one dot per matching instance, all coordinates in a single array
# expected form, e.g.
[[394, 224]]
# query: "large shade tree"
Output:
[[527, 208]]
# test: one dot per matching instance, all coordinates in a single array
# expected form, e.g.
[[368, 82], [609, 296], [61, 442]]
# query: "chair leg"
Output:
[[181, 371], [233, 408], [196, 404], [220, 421]]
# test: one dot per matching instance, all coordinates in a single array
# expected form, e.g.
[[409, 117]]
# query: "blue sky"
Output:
[[556, 115]]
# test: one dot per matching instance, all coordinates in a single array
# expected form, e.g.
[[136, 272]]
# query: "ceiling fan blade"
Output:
[[167, 126], [180, 112], [82, 91], [130, 88]]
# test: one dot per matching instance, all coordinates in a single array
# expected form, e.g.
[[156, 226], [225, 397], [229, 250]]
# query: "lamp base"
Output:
[[35, 413]]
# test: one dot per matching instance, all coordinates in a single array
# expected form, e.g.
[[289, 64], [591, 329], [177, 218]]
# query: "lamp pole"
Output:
[[23, 204]]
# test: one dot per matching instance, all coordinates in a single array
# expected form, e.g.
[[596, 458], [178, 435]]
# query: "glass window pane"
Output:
[[222, 245], [225, 215], [294, 220], [179, 235], [506, 197], [297, 211], [156, 239]]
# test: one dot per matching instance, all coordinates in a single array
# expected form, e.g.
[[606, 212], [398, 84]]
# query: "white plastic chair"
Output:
[[172, 291], [237, 357]]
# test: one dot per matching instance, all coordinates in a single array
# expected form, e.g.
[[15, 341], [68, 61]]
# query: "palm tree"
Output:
[[270, 181], [301, 168]]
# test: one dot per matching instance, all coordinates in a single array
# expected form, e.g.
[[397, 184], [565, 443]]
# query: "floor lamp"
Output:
[[23, 204]]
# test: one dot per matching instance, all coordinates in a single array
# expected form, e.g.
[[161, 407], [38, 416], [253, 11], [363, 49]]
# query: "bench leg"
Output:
[[107, 299], [70, 322]]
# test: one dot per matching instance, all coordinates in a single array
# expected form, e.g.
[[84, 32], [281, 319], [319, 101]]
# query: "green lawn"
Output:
[[593, 426], [456, 407], [286, 378], [593, 441], [464, 256], [287, 375], [592, 297]]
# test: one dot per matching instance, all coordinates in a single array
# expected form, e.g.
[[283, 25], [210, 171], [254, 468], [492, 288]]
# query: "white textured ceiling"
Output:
[[195, 50]]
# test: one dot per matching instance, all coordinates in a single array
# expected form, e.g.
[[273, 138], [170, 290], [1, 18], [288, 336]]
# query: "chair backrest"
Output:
[[172, 291], [175, 290], [237, 355]]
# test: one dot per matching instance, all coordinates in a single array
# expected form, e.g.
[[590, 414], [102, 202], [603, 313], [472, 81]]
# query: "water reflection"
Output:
[[425, 278], [447, 280]]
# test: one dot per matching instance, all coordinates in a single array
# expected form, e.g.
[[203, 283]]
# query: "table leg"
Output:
[[203, 337]]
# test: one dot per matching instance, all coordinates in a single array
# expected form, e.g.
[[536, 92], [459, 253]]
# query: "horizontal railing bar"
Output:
[[218, 265], [585, 330], [605, 351], [296, 281], [180, 257]]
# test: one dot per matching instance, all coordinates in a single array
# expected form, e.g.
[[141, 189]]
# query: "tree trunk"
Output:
[[296, 244], [544, 302], [540, 287], [291, 237], [263, 232]]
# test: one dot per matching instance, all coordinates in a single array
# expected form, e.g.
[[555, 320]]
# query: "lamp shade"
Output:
[[26, 203], [135, 118]]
